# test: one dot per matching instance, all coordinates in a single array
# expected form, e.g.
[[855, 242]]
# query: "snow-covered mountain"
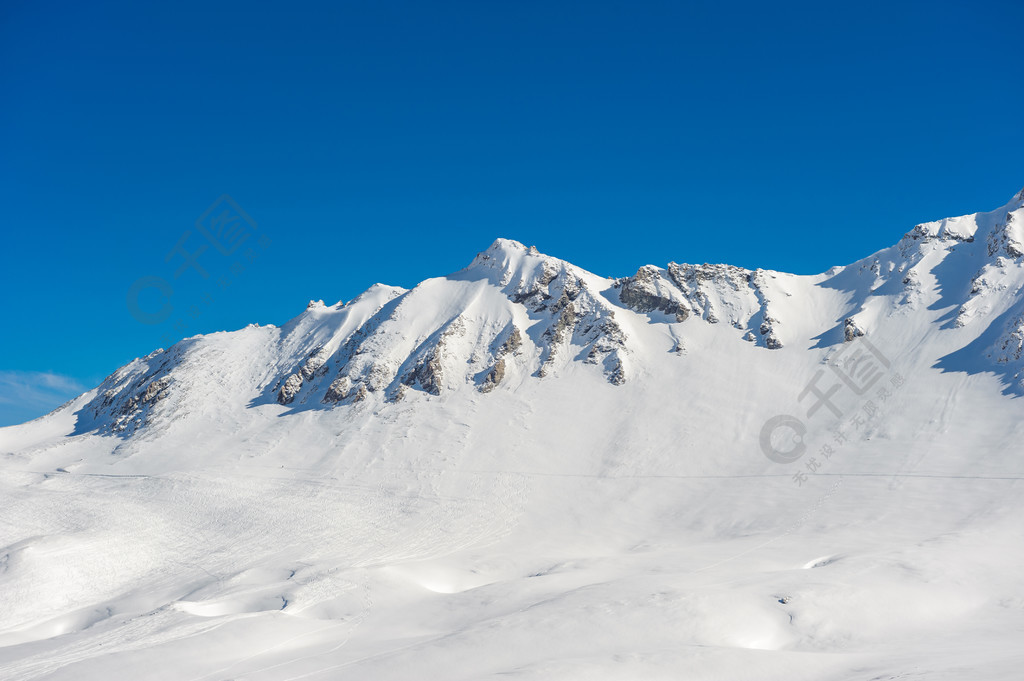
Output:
[[528, 470]]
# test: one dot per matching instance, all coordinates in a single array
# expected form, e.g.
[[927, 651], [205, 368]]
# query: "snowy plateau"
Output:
[[524, 470]]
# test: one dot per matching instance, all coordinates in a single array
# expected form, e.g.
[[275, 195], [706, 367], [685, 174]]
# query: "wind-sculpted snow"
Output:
[[526, 470]]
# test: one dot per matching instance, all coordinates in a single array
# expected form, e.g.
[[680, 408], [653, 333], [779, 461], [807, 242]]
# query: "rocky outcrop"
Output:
[[292, 386], [294, 382], [428, 374], [568, 314], [851, 330], [702, 284], [512, 343], [648, 291], [711, 293], [586, 321], [767, 329], [1010, 347], [494, 376], [1007, 239], [338, 390], [126, 399], [534, 294], [1008, 352]]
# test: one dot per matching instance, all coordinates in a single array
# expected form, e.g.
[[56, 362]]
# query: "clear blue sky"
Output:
[[391, 141]]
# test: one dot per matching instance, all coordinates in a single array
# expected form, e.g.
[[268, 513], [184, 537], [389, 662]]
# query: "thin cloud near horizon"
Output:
[[25, 395]]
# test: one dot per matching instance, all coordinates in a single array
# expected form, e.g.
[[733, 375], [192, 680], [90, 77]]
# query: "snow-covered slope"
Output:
[[527, 470]]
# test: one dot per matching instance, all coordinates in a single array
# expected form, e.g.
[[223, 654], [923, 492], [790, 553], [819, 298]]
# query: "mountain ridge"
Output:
[[552, 312]]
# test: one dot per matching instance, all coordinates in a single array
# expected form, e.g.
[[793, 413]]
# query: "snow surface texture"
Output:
[[524, 470]]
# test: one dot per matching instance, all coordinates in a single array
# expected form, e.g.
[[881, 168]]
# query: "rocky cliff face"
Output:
[[711, 293], [127, 398]]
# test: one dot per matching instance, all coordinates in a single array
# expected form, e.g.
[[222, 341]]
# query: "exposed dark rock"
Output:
[[851, 330], [292, 386], [494, 377], [339, 389], [643, 293]]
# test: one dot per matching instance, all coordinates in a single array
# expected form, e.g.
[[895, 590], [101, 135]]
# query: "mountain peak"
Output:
[[506, 260], [504, 245], [504, 248]]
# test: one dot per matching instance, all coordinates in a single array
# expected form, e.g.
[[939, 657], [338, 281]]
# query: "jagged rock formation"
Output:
[[293, 383], [1010, 347], [497, 372], [1007, 240], [649, 291], [126, 398], [1008, 351], [428, 374], [339, 389], [708, 292], [851, 330]]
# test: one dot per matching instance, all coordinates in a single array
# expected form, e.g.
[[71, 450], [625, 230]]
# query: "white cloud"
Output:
[[25, 395]]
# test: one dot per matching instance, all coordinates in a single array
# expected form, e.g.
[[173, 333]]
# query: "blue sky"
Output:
[[391, 141]]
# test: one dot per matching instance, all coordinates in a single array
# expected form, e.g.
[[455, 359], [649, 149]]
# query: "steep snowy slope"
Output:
[[527, 470]]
